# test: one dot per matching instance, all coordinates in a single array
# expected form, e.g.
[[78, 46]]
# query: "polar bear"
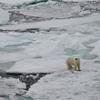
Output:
[[73, 63]]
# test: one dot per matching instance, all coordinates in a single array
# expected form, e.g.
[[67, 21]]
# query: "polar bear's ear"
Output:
[[76, 58]]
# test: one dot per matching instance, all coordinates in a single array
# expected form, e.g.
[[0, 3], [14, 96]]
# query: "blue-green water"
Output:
[[18, 44], [82, 53]]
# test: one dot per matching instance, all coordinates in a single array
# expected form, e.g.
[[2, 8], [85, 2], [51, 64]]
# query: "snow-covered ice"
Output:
[[44, 46], [55, 48], [65, 85]]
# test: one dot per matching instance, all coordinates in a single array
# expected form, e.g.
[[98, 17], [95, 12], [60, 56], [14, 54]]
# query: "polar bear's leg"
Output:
[[69, 66], [77, 64]]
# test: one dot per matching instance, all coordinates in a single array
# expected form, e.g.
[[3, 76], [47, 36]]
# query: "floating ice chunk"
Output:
[[74, 41], [2, 98], [6, 57], [4, 16], [79, 0], [14, 33], [14, 83], [78, 34], [83, 13], [15, 1], [96, 49], [10, 86], [41, 65], [54, 23]]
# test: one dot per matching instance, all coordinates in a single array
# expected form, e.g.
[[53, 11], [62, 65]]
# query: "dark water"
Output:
[[17, 98], [18, 43]]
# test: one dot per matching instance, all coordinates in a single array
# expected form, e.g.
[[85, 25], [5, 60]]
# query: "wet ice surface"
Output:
[[38, 38], [70, 86]]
